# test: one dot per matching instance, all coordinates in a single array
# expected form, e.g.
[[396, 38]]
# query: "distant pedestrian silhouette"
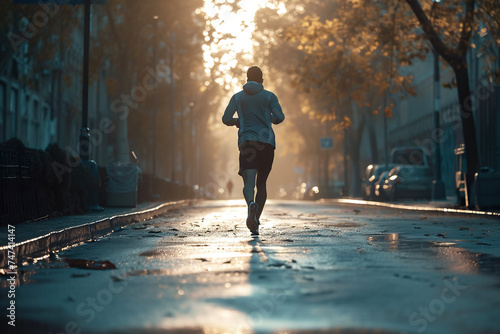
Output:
[[257, 110], [230, 187]]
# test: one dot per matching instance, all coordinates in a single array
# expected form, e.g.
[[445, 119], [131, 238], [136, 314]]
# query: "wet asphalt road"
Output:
[[314, 268]]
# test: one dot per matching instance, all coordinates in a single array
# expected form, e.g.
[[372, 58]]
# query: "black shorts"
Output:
[[256, 155]]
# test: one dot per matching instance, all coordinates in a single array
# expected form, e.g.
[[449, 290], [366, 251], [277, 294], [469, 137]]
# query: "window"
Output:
[[13, 111], [13, 100], [35, 122], [25, 114], [36, 111], [2, 102], [26, 110]]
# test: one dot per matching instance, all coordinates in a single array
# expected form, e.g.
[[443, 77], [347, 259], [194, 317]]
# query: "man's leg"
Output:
[[261, 196], [248, 191], [266, 164], [249, 176]]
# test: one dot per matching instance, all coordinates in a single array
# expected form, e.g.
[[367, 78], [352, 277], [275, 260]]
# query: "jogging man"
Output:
[[257, 109]]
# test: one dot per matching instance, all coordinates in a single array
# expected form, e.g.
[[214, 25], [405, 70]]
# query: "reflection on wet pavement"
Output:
[[451, 258], [310, 271]]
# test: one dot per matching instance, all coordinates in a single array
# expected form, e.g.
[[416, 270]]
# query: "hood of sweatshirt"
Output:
[[252, 87]]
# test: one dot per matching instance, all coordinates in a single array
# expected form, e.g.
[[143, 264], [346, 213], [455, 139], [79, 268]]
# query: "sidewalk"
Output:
[[41, 238], [445, 206]]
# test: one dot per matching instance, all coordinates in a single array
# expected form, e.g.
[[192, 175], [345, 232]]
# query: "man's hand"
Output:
[[237, 122]]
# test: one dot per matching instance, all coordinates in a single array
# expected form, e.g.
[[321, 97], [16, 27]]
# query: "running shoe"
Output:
[[252, 222]]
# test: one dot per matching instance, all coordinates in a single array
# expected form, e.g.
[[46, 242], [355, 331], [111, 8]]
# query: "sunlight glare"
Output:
[[232, 36]]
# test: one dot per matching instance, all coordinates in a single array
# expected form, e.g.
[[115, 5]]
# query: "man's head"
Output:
[[254, 73]]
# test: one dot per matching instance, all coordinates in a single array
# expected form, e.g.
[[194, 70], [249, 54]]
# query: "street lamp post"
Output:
[[84, 138], [155, 106], [84, 142]]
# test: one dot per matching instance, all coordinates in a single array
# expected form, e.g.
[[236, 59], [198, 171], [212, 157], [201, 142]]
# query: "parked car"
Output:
[[380, 193], [372, 175], [409, 181], [409, 155]]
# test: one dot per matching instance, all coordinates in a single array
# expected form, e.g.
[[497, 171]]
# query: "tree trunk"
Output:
[[356, 137], [356, 172], [456, 59], [123, 147], [468, 124], [372, 138]]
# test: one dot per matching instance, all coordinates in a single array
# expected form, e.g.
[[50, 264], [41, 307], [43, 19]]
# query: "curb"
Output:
[[410, 207], [58, 240]]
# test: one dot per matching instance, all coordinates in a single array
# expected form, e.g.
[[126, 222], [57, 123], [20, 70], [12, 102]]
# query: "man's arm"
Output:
[[228, 118], [277, 115]]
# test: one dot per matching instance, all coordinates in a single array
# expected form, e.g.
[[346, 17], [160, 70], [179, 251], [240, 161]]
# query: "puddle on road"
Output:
[[455, 258], [24, 274]]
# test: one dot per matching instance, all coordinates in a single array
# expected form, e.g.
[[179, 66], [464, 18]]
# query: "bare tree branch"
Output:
[[445, 52]]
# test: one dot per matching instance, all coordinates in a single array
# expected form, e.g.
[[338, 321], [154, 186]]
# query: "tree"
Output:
[[277, 57], [349, 65], [365, 39], [132, 34], [464, 17], [30, 30]]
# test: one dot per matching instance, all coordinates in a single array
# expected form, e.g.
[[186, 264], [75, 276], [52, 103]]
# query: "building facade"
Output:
[[43, 107], [412, 123]]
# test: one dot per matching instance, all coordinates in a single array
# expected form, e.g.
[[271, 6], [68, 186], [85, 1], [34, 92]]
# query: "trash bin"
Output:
[[121, 190], [487, 189]]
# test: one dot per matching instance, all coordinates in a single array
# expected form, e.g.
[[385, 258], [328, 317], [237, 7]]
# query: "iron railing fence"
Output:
[[22, 197]]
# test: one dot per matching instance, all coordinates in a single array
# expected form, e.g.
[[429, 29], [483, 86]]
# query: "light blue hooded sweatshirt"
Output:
[[257, 109]]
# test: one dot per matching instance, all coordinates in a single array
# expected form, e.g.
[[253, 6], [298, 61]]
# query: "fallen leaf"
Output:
[[155, 230], [80, 275], [89, 264], [115, 278], [308, 267]]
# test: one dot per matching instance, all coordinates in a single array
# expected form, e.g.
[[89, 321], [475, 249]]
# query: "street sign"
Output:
[[59, 2], [326, 142]]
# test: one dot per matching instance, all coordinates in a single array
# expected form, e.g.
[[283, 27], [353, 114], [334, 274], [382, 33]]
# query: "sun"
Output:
[[232, 36]]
